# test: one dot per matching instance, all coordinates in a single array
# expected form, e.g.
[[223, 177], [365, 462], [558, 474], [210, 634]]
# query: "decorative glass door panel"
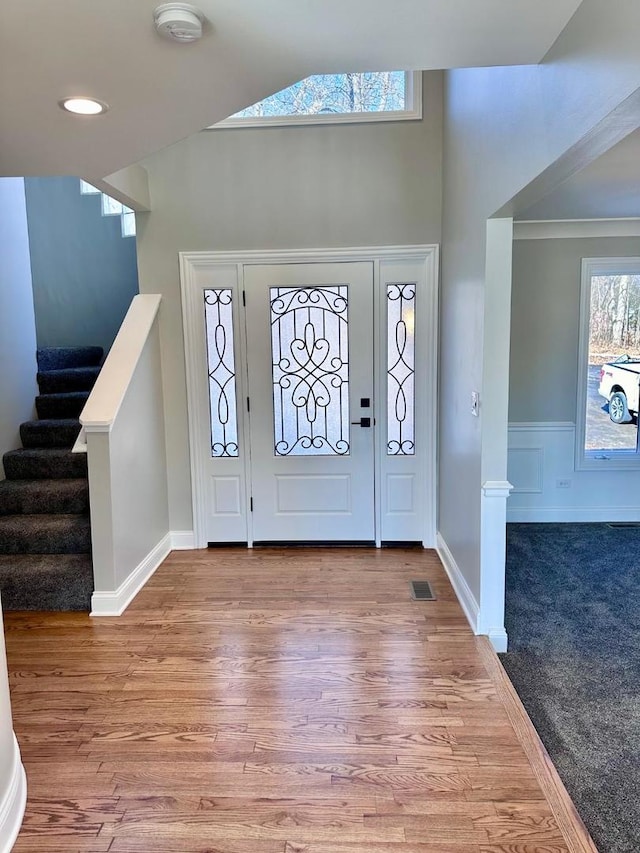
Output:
[[221, 368], [310, 355], [401, 368], [310, 365]]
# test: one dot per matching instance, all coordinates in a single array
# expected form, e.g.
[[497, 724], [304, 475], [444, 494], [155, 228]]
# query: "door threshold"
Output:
[[314, 543]]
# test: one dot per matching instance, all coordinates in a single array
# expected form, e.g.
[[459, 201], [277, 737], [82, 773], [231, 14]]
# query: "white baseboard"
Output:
[[573, 513], [182, 540], [498, 639], [115, 603], [460, 586], [13, 803]]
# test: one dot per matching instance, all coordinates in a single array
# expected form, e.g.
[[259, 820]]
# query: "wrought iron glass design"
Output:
[[310, 356], [401, 354], [218, 316]]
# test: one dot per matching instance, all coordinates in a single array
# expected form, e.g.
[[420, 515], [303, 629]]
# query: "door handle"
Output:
[[363, 422]]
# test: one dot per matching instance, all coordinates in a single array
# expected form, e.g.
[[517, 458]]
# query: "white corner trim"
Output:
[[460, 586], [498, 639], [13, 803], [497, 488], [182, 540], [115, 603], [550, 229]]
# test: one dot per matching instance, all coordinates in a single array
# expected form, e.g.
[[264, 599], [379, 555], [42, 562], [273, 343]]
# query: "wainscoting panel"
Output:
[[548, 488]]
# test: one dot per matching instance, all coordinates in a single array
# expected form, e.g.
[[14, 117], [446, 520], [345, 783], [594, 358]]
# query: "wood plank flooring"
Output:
[[272, 701]]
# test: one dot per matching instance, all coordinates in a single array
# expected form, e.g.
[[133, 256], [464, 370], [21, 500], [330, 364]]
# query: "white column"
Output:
[[13, 782], [493, 525]]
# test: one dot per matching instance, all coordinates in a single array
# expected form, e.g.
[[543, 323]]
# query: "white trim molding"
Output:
[[13, 803], [542, 426], [465, 596], [493, 527], [498, 639], [566, 229], [496, 488], [115, 603], [199, 267], [182, 540]]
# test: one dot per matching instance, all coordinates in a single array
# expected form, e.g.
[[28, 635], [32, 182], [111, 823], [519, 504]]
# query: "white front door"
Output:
[[311, 382], [310, 368]]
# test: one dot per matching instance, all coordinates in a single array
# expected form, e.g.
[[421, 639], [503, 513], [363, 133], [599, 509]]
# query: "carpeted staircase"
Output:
[[45, 534]]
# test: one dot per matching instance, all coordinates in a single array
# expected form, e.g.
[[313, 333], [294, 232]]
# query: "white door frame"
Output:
[[191, 262]]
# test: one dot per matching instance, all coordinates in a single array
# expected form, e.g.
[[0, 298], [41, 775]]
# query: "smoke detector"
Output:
[[180, 22]]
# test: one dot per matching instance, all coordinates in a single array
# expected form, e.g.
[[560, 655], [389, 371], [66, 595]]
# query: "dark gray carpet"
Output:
[[573, 620], [45, 532], [59, 405], [42, 463], [58, 582], [36, 497], [60, 358], [69, 379]]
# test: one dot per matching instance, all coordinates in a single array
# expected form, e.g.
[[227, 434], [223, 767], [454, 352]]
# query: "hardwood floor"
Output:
[[272, 701]]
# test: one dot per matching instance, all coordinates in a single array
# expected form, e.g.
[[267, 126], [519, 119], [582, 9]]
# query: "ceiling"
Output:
[[609, 188], [160, 92]]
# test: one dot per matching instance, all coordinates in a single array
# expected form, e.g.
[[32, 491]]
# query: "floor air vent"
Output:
[[421, 591], [615, 524]]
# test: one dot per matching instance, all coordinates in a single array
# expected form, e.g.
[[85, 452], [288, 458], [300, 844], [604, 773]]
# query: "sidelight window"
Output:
[[218, 313]]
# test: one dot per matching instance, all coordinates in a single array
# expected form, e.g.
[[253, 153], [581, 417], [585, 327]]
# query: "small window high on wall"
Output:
[[609, 364], [336, 98]]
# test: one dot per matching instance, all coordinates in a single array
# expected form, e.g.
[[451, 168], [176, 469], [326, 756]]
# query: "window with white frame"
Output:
[[333, 98], [609, 364]]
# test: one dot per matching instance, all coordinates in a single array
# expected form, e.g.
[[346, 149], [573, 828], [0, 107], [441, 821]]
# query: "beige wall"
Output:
[[292, 187], [545, 318]]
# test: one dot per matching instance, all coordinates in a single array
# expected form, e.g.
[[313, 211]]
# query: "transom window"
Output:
[[609, 366], [327, 98]]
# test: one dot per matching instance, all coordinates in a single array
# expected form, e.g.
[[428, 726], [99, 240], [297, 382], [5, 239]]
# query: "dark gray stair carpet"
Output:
[[45, 534], [61, 405], [44, 463], [31, 497], [46, 582], [59, 358], [45, 531], [70, 379], [59, 432]]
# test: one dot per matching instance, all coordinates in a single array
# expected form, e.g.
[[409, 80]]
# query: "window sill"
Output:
[[619, 460]]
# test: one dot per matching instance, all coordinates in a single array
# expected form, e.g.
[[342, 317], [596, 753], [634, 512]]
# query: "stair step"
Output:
[[31, 497], [69, 379], [46, 581], [45, 534], [44, 463], [59, 358], [60, 432], [63, 405]]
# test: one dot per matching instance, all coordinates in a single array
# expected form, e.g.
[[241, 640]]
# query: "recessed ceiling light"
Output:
[[83, 106]]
